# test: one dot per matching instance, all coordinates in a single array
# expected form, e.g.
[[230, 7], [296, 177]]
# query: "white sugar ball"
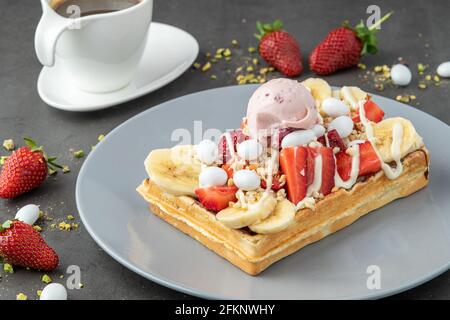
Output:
[[444, 69], [207, 151], [54, 291], [250, 149], [213, 176], [246, 180], [28, 214], [298, 138], [318, 130], [343, 125], [401, 75], [334, 107]]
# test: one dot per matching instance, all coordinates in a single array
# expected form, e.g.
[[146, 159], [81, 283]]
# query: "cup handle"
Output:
[[49, 29]]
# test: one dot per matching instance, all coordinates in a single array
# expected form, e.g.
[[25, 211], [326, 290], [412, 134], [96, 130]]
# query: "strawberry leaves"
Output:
[[367, 35], [51, 161], [266, 28]]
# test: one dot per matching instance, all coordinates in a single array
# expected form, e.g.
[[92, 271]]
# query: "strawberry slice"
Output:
[[328, 169], [335, 140], [276, 184], [312, 153], [229, 170], [372, 111], [293, 164], [216, 198], [368, 160], [322, 140], [344, 164], [237, 136]]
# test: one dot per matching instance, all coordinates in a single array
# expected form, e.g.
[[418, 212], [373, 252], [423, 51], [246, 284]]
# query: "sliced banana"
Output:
[[236, 218], [320, 89], [383, 132], [352, 95], [278, 220], [175, 170]]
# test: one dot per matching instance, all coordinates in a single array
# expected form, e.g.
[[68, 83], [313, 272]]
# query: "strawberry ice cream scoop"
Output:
[[280, 103]]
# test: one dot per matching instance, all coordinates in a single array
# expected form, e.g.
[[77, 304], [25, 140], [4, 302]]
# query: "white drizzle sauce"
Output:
[[338, 182], [317, 183], [397, 139], [270, 169]]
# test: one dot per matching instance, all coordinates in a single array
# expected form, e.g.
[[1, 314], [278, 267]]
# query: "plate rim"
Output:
[[161, 280], [161, 82]]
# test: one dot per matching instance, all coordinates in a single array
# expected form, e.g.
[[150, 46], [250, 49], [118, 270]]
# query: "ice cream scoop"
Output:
[[280, 103]]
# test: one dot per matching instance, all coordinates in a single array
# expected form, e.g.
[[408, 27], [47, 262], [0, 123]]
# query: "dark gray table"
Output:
[[214, 24]]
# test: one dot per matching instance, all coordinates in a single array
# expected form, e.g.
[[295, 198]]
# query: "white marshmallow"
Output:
[[318, 130], [343, 125], [207, 151], [54, 291], [401, 75], [213, 176], [443, 69], [250, 149], [334, 107], [298, 138], [28, 214], [246, 180]]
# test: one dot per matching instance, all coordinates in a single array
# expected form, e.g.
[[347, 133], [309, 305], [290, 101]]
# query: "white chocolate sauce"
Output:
[[338, 182], [317, 182], [397, 139]]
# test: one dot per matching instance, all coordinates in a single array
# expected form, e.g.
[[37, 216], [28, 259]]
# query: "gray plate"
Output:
[[409, 240]]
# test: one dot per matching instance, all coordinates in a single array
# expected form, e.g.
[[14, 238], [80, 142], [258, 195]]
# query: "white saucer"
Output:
[[169, 52]]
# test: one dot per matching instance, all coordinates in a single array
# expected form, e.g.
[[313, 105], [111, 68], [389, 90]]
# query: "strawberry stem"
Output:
[[266, 28], [49, 160], [379, 22]]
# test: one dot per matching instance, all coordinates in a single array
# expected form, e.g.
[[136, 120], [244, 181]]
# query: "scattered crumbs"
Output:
[[8, 268], [362, 66], [8, 144], [251, 49], [206, 67], [53, 225], [65, 226], [37, 228], [227, 52], [3, 159], [39, 293], [101, 137], [52, 172], [46, 279], [197, 65], [65, 169], [422, 86], [78, 154], [234, 43], [403, 98], [421, 68], [61, 276], [80, 285], [21, 296], [213, 77], [70, 217]]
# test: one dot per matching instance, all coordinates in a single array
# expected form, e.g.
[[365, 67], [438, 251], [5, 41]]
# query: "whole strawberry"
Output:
[[21, 245], [279, 48], [343, 47], [24, 170]]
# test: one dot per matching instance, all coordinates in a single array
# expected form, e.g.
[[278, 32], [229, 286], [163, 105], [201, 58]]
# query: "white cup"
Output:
[[97, 53]]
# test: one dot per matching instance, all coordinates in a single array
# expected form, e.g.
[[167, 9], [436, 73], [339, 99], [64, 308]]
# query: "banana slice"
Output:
[[352, 95], [236, 218], [279, 219], [383, 133], [320, 89], [175, 170]]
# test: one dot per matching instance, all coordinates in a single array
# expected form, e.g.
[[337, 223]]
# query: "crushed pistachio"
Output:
[[39, 293], [101, 137], [379, 86], [64, 226], [255, 61], [250, 69], [70, 217], [421, 68], [65, 169], [78, 154], [428, 77], [362, 66], [37, 228], [422, 86], [412, 97], [234, 42], [81, 286], [197, 65], [3, 159], [52, 172], [206, 67], [378, 69], [53, 225], [8, 144], [436, 78], [8, 268], [21, 296], [403, 98], [46, 279], [213, 77], [227, 52], [251, 49]]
